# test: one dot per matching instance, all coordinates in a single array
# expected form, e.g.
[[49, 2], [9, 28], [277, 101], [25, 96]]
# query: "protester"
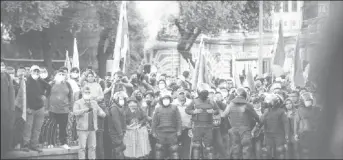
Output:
[[117, 124], [60, 104], [87, 111], [136, 137], [184, 140], [7, 111], [36, 92]]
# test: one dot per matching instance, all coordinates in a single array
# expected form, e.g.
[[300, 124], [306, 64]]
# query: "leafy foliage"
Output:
[[31, 15], [212, 17]]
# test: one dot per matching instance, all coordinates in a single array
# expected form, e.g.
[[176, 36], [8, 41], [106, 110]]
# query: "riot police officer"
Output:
[[202, 110], [243, 118]]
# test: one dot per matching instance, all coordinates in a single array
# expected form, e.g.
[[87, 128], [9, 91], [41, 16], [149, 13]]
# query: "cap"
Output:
[[34, 67]]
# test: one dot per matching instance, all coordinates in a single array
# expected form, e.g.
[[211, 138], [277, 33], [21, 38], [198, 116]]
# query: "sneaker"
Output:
[[65, 146], [36, 148]]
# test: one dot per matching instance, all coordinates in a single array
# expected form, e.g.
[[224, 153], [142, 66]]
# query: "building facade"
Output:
[[234, 53]]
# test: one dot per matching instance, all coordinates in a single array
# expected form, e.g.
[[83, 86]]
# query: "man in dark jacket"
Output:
[[117, 125], [202, 110], [7, 111], [166, 127], [243, 118], [276, 127], [36, 92]]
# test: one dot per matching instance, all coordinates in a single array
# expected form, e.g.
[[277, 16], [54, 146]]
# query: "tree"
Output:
[[19, 17], [104, 18], [213, 17]]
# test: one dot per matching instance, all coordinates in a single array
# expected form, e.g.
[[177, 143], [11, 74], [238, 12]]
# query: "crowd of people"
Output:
[[149, 115]]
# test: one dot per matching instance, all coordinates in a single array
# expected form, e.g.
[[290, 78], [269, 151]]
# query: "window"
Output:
[[277, 6], [285, 23], [294, 6], [285, 6], [294, 23]]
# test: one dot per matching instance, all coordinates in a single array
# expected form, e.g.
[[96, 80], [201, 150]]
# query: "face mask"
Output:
[[35, 77], [121, 102], [308, 103], [161, 86], [86, 97], [43, 75], [59, 78], [166, 102], [74, 75]]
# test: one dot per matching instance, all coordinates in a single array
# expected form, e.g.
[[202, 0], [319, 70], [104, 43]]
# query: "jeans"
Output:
[[32, 127], [87, 138], [62, 121]]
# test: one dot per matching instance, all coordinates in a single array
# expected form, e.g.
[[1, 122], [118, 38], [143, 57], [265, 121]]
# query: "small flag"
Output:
[[75, 56], [67, 62], [280, 54]]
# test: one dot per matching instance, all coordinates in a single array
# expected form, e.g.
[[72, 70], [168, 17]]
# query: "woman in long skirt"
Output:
[[136, 138]]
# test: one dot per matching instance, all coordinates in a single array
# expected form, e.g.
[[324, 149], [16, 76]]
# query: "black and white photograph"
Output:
[[171, 79]]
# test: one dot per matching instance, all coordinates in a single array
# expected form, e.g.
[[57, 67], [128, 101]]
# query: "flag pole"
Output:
[[260, 55]]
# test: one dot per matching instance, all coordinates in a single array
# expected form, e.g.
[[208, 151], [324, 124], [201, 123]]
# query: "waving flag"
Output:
[[75, 56], [20, 100], [121, 50], [280, 54], [298, 78], [67, 62]]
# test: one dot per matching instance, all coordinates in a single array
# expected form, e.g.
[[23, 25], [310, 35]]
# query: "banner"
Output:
[[121, 50]]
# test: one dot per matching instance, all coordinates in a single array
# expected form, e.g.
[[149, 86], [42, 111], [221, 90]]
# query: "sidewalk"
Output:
[[48, 153]]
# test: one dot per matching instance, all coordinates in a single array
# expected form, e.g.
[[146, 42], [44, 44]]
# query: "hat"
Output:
[[34, 67], [132, 99]]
